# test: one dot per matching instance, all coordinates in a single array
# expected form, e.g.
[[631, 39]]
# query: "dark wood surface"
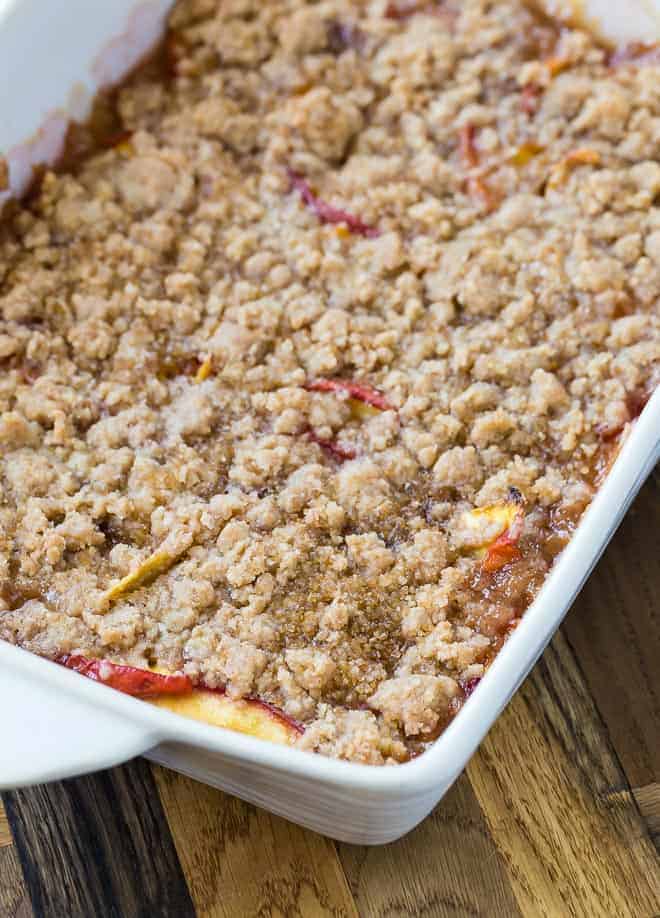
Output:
[[99, 845], [557, 815]]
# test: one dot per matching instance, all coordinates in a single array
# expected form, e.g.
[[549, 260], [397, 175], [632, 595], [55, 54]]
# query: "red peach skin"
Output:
[[128, 679], [362, 392]]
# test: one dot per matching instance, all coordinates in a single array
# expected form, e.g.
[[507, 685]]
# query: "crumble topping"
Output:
[[345, 273]]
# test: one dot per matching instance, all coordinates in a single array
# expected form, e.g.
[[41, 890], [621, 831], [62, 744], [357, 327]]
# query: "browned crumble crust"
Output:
[[505, 305]]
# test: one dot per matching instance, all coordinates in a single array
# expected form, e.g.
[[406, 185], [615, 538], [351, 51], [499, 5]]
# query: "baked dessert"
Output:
[[315, 352]]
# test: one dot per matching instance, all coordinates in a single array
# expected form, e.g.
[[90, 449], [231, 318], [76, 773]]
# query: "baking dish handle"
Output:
[[46, 735]]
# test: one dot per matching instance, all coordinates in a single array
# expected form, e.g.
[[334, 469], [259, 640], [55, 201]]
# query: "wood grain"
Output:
[[648, 800], [448, 867], [558, 804], [98, 845], [614, 630], [239, 860], [5, 834], [14, 899], [648, 803]]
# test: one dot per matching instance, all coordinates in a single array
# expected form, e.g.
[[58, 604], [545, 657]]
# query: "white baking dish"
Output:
[[55, 724]]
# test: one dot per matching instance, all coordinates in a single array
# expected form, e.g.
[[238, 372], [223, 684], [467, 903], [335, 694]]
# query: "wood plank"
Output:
[[545, 779], [648, 800], [448, 866], [239, 860], [614, 631], [5, 834], [98, 845], [14, 901]]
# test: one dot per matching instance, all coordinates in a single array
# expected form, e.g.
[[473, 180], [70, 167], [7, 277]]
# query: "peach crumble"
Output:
[[312, 366]]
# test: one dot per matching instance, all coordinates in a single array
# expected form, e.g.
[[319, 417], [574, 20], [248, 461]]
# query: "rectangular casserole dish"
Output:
[[58, 725]]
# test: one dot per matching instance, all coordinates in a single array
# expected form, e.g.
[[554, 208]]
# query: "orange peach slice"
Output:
[[204, 371], [362, 411], [156, 564], [492, 520], [496, 529], [125, 147], [176, 693], [584, 156], [525, 153], [246, 715]]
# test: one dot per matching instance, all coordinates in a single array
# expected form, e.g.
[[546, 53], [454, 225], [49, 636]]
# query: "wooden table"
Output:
[[557, 815]]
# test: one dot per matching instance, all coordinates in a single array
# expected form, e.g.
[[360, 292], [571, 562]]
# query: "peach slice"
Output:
[[525, 153], [501, 552], [156, 564], [584, 156], [205, 370], [493, 518], [502, 525], [326, 212], [141, 683], [362, 411], [246, 715], [357, 392], [176, 693]]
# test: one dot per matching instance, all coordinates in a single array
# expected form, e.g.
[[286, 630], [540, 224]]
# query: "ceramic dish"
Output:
[[58, 725]]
